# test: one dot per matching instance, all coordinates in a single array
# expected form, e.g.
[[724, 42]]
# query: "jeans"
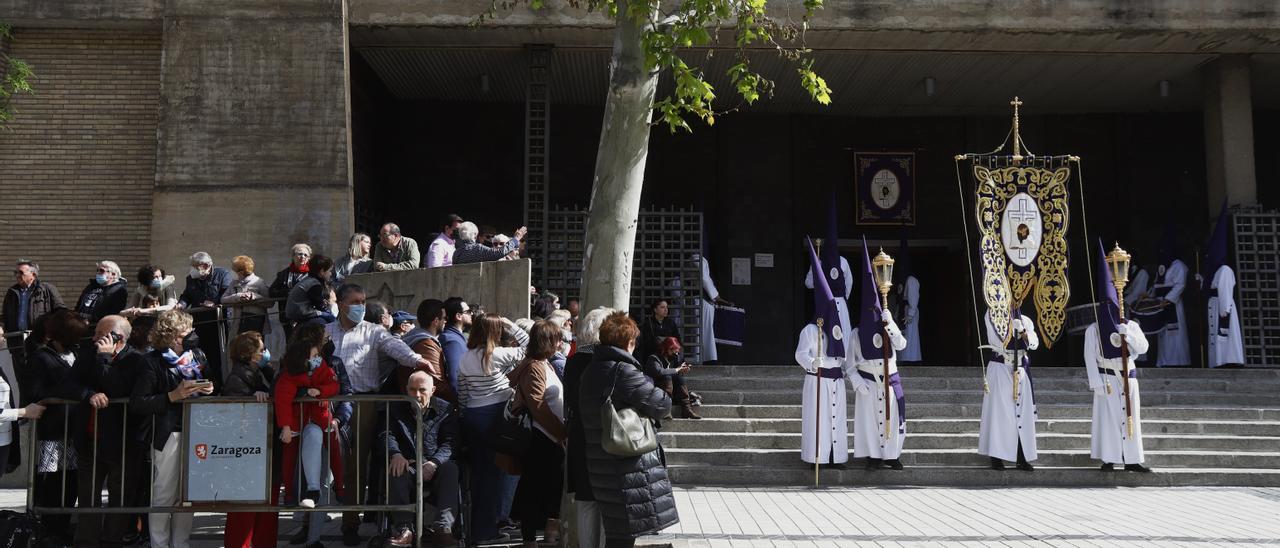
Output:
[[168, 530], [590, 524], [316, 474], [488, 483]]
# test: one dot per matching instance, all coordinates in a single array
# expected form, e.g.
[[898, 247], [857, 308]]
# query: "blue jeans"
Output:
[[314, 456], [488, 482]]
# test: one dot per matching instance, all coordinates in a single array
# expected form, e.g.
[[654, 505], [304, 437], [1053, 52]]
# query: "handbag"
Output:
[[624, 433], [511, 433]]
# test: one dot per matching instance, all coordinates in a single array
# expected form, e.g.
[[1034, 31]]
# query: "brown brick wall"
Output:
[[77, 167]]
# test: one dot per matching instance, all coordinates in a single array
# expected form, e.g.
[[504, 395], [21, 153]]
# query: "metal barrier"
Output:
[[213, 507]]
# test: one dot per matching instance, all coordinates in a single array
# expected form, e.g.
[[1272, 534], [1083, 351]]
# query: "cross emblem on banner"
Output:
[[1019, 213]]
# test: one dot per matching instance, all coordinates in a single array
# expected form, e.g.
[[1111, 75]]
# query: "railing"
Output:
[[95, 506]]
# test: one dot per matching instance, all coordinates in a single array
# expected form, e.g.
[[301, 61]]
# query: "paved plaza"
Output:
[[1110, 517]]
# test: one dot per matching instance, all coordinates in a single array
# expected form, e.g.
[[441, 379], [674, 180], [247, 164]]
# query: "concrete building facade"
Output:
[[163, 127]]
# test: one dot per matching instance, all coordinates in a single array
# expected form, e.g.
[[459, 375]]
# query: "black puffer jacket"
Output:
[[634, 493]]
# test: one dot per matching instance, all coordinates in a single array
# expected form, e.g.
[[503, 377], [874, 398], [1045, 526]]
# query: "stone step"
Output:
[[798, 474], [969, 440], [942, 426], [774, 371], [974, 410], [766, 458], [795, 382], [1043, 398]]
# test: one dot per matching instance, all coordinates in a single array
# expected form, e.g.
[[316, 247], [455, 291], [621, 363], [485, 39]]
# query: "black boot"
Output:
[[894, 464], [997, 464], [1108, 467], [1137, 468], [1025, 466], [873, 464]]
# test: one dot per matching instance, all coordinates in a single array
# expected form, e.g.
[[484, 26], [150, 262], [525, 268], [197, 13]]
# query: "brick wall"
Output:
[[78, 163]]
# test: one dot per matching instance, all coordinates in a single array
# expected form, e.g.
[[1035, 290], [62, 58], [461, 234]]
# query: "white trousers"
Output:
[[590, 524], [168, 530]]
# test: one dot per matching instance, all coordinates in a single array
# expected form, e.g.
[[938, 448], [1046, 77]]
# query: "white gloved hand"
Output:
[[864, 387], [886, 316], [1017, 326]]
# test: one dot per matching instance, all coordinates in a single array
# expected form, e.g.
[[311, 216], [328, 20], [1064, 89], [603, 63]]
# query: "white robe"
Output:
[[868, 421], [1005, 422], [911, 319], [842, 301], [1229, 348], [1173, 349], [1111, 440], [823, 405], [708, 315]]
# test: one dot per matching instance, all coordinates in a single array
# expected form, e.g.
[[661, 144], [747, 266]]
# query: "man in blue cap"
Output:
[[1109, 344], [824, 434], [402, 322], [879, 420]]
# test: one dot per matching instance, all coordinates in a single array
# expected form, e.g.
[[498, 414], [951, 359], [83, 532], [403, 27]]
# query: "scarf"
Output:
[[305, 268], [186, 365]]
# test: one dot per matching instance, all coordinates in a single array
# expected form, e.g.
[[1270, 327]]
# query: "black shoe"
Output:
[[1137, 468], [1108, 467], [873, 464], [351, 536], [1026, 466], [300, 537], [997, 464], [894, 464]]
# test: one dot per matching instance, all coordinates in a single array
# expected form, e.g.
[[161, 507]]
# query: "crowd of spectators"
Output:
[[461, 371]]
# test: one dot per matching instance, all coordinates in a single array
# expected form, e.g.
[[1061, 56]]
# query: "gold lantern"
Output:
[[882, 267], [1118, 263]]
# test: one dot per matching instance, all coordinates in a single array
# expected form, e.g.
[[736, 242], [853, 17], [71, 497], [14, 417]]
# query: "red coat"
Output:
[[292, 415]]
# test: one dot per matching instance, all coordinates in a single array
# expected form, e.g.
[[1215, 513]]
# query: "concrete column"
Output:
[[253, 135], [1228, 133]]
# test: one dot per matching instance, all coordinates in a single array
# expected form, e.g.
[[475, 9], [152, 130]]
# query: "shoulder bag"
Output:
[[624, 432]]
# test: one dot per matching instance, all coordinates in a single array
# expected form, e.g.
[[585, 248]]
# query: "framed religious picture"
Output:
[[885, 188]]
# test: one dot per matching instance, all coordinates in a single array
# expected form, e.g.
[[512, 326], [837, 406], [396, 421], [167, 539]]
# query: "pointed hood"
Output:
[[869, 319], [1216, 249], [824, 307], [831, 251], [1108, 306]]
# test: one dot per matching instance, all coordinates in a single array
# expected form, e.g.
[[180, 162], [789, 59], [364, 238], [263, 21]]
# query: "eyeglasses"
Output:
[[103, 271]]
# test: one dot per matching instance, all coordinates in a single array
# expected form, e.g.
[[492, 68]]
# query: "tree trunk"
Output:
[[619, 176]]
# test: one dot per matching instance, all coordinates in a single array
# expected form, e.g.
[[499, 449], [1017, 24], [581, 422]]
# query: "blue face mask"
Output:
[[265, 360], [314, 362], [100, 278], [156, 283], [355, 313]]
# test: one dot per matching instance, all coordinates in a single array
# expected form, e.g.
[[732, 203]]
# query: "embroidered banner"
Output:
[[885, 184]]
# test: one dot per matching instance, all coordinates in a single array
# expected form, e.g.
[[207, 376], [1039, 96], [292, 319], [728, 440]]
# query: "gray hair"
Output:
[[296, 247], [111, 267], [35, 268], [392, 228], [589, 325], [525, 324], [201, 257], [467, 232], [558, 317], [353, 247]]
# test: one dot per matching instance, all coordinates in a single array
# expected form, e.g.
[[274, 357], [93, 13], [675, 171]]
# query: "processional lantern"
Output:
[[882, 267], [1118, 263]]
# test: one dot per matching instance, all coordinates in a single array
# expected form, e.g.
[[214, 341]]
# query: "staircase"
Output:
[[1200, 427]]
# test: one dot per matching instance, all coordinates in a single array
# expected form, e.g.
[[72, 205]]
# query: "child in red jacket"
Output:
[[306, 373]]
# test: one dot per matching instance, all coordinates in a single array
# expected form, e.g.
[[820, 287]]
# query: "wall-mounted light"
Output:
[[930, 86], [484, 83], [1164, 89]]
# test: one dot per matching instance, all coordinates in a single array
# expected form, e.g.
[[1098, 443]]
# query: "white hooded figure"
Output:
[[1113, 442], [871, 439], [1008, 428], [824, 432], [1226, 346]]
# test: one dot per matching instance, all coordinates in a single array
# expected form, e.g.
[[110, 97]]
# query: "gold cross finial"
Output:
[[1017, 136]]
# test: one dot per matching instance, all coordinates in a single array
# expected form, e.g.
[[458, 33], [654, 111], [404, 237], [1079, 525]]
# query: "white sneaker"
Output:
[[307, 503]]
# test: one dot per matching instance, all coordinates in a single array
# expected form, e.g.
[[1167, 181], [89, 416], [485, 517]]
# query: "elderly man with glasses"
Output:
[[395, 251], [106, 294], [205, 286]]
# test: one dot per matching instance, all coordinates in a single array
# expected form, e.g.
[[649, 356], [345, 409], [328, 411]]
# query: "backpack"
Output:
[[19, 530]]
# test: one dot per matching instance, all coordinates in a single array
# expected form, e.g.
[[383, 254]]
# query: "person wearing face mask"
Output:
[[106, 294], [311, 425], [105, 371], [250, 377], [156, 293], [172, 373], [205, 287], [246, 288], [49, 375], [359, 344]]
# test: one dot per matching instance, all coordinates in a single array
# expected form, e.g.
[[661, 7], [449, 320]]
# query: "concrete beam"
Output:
[[1228, 129], [82, 13], [883, 25]]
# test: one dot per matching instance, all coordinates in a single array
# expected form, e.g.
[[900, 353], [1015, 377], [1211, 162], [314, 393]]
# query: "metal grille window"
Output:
[[1257, 248], [668, 244]]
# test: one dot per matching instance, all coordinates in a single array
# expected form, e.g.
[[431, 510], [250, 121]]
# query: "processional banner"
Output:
[[885, 184]]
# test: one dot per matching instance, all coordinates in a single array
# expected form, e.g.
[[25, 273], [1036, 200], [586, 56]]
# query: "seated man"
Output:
[[439, 472]]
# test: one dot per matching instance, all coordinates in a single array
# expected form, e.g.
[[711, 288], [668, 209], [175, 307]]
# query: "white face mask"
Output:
[[195, 273]]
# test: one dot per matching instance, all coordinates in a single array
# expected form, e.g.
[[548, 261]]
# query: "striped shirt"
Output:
[[475, 388], [359, 348]]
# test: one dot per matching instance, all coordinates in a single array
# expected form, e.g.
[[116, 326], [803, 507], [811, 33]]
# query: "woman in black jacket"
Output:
[[653, 329], [667, 371], [49, 374], [634, 493]]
